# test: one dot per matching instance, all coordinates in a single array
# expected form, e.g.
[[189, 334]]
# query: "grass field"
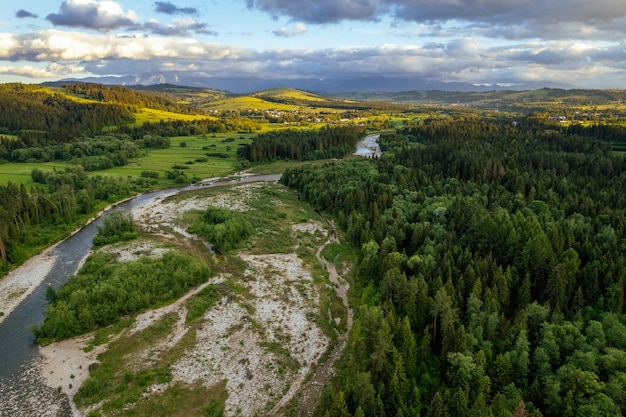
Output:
[[193, 157], [155, 116], [20, 173]]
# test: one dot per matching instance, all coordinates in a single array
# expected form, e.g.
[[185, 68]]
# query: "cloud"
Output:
[[22, 14], [574, 62], [170, 8], [179, 27], [511, 19], [92, 14], [26, 71], [322, 11], [285, 32], [53, 70]]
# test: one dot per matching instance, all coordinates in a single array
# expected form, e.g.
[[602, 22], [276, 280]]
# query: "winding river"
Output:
[[22, 393]]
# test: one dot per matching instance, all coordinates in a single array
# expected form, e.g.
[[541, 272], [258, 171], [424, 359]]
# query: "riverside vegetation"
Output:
[[488, 247]]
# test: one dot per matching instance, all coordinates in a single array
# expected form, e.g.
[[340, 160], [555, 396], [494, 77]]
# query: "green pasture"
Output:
[[191, 157], [155, 116], [19, 173], [247, 102], [257, 103]]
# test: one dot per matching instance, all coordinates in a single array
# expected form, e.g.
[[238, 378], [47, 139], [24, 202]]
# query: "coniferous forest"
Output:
[[491, 272]]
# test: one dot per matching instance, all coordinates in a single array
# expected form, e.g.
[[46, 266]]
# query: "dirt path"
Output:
[[312, 390]]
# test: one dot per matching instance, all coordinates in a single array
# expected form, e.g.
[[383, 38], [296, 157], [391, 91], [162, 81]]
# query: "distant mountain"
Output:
[[332, 85]]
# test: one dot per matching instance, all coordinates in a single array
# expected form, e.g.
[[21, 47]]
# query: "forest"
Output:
[[491, 271], [302, 145], [31, 218], [39, 117]]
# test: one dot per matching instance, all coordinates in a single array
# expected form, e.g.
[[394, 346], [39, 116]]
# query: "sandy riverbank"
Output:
[[65, 365], [21, 282]]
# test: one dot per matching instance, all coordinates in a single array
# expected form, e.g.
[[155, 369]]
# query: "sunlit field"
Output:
[[19, 173]]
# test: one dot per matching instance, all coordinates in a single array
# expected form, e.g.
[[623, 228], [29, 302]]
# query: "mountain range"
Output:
[[334, 85]]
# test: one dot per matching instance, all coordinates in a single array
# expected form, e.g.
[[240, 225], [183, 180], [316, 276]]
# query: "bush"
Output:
[[150, 174], [225, 229], [102, 292], [118, 227]]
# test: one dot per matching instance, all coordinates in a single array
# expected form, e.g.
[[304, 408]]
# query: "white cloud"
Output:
[[285, 32], [92, 14], [27, 71], [456, 60]]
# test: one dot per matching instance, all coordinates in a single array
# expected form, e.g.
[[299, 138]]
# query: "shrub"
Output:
[[150, 174], [117, 227]]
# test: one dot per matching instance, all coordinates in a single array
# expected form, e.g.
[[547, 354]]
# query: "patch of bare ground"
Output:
[[264, 339], [131, 251], [21, 282], [65, 365], [262, 343]]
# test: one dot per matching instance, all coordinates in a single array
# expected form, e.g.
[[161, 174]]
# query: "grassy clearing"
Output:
[[155, 116], [290, 94], [182, 400], [20, 173], [112, 381], [201, 156], [247, 102]]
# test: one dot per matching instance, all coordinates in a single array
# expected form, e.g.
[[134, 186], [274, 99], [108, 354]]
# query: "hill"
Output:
[[247, 85], [515, 100]]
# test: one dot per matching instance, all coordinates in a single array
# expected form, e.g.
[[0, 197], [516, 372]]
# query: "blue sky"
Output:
[[508, 42]]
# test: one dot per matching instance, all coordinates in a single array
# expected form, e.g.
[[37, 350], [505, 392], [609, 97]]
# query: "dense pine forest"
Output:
[[491, 271], [303, 145]]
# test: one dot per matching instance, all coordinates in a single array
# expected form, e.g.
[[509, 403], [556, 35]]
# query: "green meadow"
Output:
[[200, 156], [19, 173], [155, 116]]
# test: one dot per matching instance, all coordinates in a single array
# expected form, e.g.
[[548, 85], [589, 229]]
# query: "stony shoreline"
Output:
[[18, 284]]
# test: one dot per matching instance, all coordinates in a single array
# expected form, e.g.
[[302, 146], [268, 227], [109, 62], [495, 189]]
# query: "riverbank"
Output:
[[18, 284], [65, 365]]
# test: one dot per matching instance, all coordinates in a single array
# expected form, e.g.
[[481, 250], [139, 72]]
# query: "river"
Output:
[[22, 392], [369, 147]]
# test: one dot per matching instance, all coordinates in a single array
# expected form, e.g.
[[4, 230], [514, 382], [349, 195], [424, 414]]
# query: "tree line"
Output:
[[93, 153], [32, 218], [38, 118], [302, 145], [491, 272], [130, 97]]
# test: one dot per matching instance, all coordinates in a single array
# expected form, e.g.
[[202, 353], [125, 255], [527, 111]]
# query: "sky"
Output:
[[580, 43]]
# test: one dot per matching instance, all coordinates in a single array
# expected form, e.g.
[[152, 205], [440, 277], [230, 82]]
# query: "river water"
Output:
[[369, 147], [22, 393]]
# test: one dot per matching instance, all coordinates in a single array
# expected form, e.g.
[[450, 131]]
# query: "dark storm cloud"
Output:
[[169, 8], [178, 28], [106, 15], [21, 13], [322, 11], [513, 19]]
